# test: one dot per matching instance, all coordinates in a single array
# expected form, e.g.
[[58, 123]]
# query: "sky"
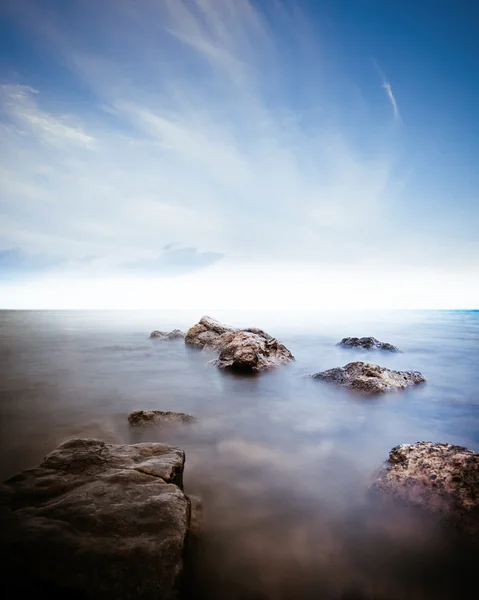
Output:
[[261, 154]]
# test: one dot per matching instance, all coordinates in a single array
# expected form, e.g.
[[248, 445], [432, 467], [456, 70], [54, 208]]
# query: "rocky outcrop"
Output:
[[164, 335], [158, 417], [206, 333], [436, 477], [97, 521], [246, 351], [249, 349], [370, 379], [366, 343]]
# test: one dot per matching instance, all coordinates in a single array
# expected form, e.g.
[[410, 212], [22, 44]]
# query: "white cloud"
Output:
[[18, 101], [392, 99], [201, 127]]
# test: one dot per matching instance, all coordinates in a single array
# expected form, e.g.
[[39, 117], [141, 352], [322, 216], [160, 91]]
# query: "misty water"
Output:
[[282, 462]]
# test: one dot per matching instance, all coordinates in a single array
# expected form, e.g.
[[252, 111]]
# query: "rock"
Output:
[[164, 335], [440, 478], [196, 522], [158, 417], [366, 343], [206, 332], [370, 379], [97, 521], [246, 351], [249, 349]]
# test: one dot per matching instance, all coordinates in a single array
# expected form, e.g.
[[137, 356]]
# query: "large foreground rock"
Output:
[[370, 379], [97, 521], [249, 349], [437, 477], [158, 417], [176, 334], [366, 343]]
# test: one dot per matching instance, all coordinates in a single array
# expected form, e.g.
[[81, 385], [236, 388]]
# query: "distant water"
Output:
[[281, 461]]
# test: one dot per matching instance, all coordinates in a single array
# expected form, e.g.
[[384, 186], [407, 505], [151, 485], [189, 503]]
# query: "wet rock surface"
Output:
[[367, 378], [249, 349], [441, 478], [366, 343], [158, 417], [97, 520], [176, 334]]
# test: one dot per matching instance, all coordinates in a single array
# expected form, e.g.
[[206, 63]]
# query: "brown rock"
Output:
[[97, 521], [370, 379], [158, 417], [249, 349], [440, 478]]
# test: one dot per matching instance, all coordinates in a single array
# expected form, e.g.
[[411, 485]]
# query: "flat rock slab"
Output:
[[176, 334], [366, 343], [370, 379], [441, 478], [158, 417], [97, 521], [249, 349]]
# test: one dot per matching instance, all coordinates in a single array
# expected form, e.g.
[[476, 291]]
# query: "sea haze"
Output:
[[282, 462]]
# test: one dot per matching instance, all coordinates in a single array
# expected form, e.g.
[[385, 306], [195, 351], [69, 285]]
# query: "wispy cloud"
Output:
[[201, 139], [389, 92], [18, 102], [199, 124], [392, 99]]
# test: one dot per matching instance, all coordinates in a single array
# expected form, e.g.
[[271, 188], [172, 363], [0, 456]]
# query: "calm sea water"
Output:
[[282, 462]]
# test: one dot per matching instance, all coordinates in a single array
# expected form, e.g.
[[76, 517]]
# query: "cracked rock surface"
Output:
[[97, 520]]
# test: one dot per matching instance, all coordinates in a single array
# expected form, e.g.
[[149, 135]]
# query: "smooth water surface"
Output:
[[282, 462]]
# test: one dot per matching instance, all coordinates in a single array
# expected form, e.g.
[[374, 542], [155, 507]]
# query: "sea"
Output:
[[282, 462]]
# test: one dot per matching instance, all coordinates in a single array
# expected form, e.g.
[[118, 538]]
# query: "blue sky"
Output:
[[186, 153]]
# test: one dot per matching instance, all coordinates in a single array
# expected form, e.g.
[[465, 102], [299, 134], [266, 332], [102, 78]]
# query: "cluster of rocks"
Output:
[[97, 520], [248, 349], [367, 378], [252, 350]]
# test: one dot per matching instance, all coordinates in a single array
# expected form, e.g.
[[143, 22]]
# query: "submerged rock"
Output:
[[97, 521], [437, 477], [370, 379], [164, 335], [248, 349], [197, 516], [366, 343], [158, 417]]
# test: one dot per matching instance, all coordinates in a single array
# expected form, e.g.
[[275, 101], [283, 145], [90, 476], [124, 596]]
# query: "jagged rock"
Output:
[[248, 349], [366, 343], [97, 521], [437, 477], [206, 333], [370, 379], [158, 417], [164, 335]]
